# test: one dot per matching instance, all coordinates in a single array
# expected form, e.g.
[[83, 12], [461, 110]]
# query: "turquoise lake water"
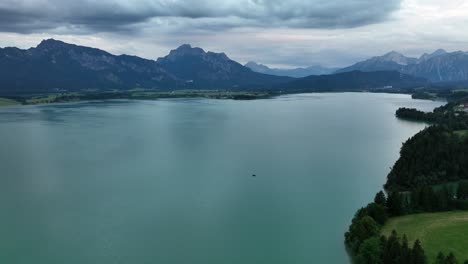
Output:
[[170, 181]]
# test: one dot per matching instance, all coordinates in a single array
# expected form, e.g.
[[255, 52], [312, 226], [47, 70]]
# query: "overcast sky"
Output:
[[280, 33]]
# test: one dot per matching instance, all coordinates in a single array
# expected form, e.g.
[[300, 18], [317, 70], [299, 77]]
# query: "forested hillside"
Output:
[[430, 176]]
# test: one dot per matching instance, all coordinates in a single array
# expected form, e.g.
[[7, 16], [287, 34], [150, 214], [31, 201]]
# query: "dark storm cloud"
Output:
[[73, 16]]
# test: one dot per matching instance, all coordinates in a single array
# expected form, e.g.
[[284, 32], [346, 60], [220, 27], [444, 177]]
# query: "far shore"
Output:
[[142, 94]]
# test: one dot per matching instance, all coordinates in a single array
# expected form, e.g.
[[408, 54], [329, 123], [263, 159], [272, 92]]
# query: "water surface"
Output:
[[171, 181]]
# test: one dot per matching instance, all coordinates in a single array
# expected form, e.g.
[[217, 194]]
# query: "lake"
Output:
[[171, 181]]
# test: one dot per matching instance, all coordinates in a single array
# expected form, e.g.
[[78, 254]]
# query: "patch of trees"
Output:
[[363, 238], [391, 250], [367, 245], [449, 259], [414, 114], [444, 116]]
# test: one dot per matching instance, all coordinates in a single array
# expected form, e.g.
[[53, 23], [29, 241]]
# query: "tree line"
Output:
[[429, 199], [444, 116]]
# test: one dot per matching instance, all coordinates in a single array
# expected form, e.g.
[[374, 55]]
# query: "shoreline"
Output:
[[406, 195], [152, 95], [50, 98]]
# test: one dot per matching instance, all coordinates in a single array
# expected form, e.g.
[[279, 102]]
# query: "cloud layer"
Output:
[[71, 16], [286, 33]]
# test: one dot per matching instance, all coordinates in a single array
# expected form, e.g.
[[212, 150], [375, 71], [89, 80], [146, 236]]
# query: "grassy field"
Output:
[[5, 102], [49, 98], [462, 133], [446, 232]]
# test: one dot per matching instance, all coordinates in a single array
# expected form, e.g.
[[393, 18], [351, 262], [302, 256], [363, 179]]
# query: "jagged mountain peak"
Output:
[[438, 66], [252, 63], [436, 53], [184, 46], [182, 51], [212, 70], [397, 57], [52, 44], [393, 53], [221, 56], [439, 52], [186, 50], [257, 67]]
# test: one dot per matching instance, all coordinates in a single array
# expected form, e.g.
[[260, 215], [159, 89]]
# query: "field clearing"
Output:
[[42, 99], [5, 102], [461, 133], [446, 232]]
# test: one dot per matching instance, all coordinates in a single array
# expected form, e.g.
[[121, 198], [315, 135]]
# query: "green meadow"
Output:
[[446, 232]]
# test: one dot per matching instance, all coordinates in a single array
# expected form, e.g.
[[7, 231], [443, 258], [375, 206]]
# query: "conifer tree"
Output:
[[417, 254]]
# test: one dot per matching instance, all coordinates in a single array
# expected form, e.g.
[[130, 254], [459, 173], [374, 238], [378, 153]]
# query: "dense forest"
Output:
[[436, 155], [431, 175]]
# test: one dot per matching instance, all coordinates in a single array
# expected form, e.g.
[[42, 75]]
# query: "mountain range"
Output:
[[296, 73], [439, 66], [56, 66], [354, 81]]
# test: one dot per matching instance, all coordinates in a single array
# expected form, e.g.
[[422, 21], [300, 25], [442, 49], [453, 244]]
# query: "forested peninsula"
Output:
[[430, 176]]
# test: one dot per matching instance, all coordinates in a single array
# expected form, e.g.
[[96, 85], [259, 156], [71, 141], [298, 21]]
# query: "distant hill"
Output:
[[296, 73], [439, 66], [355, 81], [58, 66]]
